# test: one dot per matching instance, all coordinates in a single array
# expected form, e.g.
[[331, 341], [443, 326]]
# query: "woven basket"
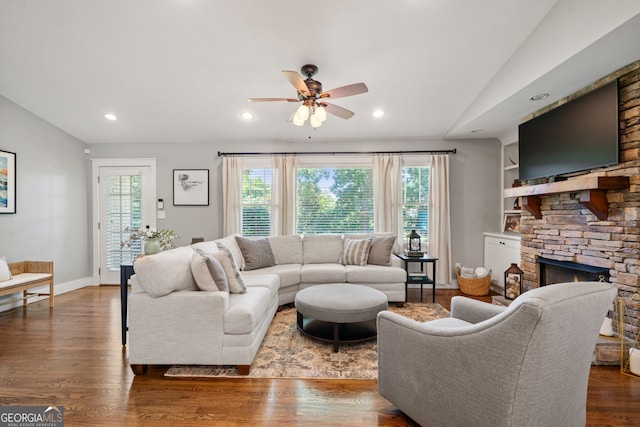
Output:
[[475, 287]]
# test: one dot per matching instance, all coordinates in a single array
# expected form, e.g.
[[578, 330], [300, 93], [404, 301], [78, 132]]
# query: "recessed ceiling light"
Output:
[[246, 116], [539, 96], [110, 116], [378, 113]]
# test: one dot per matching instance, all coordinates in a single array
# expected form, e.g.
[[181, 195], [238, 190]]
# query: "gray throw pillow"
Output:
[[234, 279], [256, 253], [208, 273], [380, 252], [356, 251]]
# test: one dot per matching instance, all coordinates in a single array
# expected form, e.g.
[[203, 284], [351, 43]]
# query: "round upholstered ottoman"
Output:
[[339, 313]]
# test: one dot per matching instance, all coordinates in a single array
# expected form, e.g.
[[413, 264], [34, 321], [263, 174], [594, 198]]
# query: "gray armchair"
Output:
[[486, 365]]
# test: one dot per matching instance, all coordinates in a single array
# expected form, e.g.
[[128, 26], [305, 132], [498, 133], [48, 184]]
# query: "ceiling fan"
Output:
[[313, 98]]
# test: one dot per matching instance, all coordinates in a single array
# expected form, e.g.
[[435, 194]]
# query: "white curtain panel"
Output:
[[439, 216], [284, 195], [387, 175], [232, 195]]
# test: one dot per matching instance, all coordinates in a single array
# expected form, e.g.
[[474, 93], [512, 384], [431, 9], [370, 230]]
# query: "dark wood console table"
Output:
[[126, 271]]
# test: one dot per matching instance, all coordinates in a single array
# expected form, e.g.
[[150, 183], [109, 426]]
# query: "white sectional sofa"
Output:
[[174, 318]]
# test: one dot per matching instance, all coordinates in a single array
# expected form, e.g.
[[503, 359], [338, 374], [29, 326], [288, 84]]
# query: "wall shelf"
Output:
[[592, 193]]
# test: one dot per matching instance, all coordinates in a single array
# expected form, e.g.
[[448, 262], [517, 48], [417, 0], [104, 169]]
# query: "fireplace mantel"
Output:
[[592, 193]]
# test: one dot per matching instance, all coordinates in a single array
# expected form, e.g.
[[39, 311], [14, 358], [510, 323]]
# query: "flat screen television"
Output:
[[577, 136]]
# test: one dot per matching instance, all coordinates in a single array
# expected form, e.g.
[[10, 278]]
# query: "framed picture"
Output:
[[191, 187], [511, 222], [7, 182]]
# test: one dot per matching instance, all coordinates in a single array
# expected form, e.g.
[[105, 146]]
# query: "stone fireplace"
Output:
[[568, 231]]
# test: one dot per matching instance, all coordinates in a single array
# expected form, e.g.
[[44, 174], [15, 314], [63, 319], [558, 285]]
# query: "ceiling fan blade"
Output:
[[297, 82], [273, 99], [349, 90], [343, 113]]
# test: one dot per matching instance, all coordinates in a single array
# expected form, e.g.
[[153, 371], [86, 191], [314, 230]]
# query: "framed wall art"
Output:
[[7, 182], [191, 187], [511, 223]]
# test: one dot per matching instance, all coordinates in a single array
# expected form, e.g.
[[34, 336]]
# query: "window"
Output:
[[123, 216], [334, 200], [415, 201], [333, 195], [256, 202]]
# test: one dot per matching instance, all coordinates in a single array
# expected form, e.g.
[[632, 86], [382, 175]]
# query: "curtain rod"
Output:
[[333, 153]]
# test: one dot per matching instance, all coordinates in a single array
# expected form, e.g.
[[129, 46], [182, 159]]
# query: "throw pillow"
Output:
[[5, 272], [356, 252], [380, 252], [236, 284], [208, 273], [256, 253]]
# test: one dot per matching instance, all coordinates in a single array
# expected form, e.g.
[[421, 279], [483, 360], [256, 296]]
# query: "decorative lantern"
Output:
[[513, 282], [414, 244]]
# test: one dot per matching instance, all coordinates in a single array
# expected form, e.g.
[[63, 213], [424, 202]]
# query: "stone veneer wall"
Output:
[[570, 232]]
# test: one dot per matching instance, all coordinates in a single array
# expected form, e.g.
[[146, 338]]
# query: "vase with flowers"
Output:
[[154, 240]]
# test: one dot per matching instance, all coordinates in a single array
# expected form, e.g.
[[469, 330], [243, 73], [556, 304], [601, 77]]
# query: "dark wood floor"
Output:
[[73, 357]]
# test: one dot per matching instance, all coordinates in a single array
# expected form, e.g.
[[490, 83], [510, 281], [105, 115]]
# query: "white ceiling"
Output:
[[182, 70]]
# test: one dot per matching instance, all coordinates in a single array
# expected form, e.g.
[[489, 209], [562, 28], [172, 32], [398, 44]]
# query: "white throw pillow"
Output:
[[5, 272], [356, 251], [234, 279]]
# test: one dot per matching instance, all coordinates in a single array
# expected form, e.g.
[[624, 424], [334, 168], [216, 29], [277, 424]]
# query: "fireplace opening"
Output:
[[552, 271]]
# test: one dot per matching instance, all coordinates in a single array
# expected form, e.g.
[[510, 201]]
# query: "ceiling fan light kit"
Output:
[[310, 92]]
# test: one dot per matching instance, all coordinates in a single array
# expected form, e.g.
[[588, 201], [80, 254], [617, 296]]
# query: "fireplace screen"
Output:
[[552, 271]]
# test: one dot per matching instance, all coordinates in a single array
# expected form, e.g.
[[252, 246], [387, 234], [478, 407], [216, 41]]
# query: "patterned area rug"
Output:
[[285, 353]]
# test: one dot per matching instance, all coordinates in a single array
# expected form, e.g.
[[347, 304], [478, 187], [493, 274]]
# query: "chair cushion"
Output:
[[256, 253]]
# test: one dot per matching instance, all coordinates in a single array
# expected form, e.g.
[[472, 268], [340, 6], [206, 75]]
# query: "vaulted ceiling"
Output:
[[182, 70]]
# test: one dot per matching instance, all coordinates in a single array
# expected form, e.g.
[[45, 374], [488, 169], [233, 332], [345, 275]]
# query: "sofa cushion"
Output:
[[356, 251], [286, 249], [266, 280], [247, 310], [321, 249], [375, 274], [229, 242], [323, 273], [289, 273], [208, 272], [256, 253], [165, 272], [234, 279]]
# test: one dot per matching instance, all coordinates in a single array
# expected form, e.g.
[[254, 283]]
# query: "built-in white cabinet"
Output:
[[500, 250]]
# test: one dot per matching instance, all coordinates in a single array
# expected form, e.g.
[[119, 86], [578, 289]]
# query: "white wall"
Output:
[[475, 178], [51, 222]]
